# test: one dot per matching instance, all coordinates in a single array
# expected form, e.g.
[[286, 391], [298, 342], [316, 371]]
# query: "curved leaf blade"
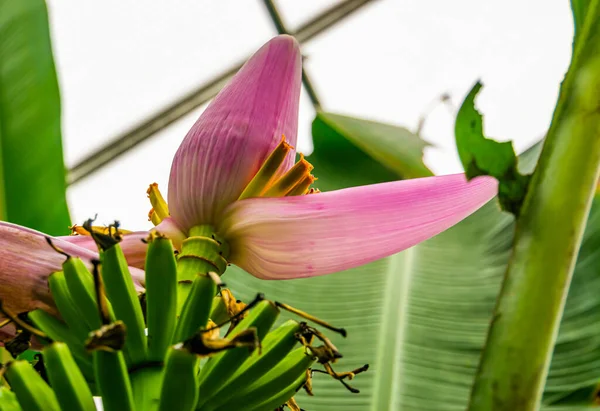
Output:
[[32, 172], [483, 156], [396, 148]]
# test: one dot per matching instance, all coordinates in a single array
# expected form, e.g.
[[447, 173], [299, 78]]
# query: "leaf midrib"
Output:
[[388, 366]]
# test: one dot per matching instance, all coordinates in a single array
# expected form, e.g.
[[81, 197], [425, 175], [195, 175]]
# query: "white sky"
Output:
[[119, 62]]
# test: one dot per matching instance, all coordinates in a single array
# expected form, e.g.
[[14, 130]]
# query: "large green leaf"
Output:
[[32, 172], [396, 148], [420, 317]]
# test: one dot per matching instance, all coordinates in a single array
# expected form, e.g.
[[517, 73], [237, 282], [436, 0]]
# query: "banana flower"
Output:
[[235, 174]]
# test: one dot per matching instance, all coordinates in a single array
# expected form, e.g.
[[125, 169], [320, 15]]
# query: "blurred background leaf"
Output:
[[420, 317], [395, 148], [32, 172]]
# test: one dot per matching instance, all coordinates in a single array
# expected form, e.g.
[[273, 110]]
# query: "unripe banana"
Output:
[[81, 287], [58, 331], [221, 367], [8, 400], [71, 389], [282, 397], [124, 299], [278, 379], [113, 381], [161, 296], [110, 369], [67, 308], [180, 382], [195, 310], [31, 390], [276, 346]]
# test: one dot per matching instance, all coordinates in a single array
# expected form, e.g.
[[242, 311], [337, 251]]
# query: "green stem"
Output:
[[516, 358], [202, 252]]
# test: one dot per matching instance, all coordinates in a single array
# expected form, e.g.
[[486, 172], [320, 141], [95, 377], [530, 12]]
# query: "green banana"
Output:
[[113, 380], [31, 390], [81, 287], [67, 380], [218, 310], [195, 310], [112, 377], [282, 397], [161, 296], [146, 381], [276, 346], [221, 367], [8, 400], [121, 292], [58, 331], [180, 384], [67, 308], [278, 379]]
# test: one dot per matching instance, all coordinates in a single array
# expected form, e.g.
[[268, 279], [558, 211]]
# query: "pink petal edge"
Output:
[[232, 138], [26, 261], [306, 236], [169, 228]]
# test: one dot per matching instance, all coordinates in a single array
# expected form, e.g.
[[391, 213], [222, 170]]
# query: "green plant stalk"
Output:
[[516, 358], [202, 252]]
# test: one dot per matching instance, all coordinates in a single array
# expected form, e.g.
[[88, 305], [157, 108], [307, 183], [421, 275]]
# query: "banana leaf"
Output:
[[32, 172], [420, 317]]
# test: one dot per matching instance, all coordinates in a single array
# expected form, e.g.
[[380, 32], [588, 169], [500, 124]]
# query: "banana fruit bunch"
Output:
[[159, 351]]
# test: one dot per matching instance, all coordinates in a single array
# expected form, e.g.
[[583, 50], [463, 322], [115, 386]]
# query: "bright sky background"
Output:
[[119, 62]]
